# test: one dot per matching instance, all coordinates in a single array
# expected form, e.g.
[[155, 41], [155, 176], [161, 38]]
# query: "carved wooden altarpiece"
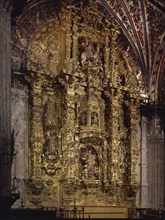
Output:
[[84, 94]]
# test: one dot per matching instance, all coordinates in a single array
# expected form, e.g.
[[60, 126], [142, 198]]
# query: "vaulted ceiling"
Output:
[[142, 23]]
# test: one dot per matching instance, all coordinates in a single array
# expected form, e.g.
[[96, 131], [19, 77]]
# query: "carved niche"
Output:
[[52, 124], [89, 164]]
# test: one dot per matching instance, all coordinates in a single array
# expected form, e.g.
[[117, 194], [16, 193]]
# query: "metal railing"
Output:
[[70, 214]]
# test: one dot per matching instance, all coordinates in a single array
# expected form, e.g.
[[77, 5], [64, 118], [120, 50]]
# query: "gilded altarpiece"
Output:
[[83, 100]]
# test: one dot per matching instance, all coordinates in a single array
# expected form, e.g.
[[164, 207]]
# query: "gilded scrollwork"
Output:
[[45, 51], [83, 111]]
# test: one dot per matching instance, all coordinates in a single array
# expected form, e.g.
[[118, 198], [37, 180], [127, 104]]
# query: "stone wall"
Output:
[[19, 126], [142, 166], [150, 166], [5, 96]]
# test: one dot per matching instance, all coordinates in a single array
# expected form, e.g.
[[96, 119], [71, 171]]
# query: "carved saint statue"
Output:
[[50, 126], [50, 113], [95, 118], [83, 118], [52, 145], [90, 168], [89, 53]]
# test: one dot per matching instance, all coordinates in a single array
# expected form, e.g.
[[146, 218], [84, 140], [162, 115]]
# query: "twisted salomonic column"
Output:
[[5, 105]]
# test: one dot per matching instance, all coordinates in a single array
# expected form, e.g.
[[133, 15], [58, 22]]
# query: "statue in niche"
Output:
[[52, 145], [50, 125], [90, 52], [95, 118], [83, 119], [50, 113], [89, 164]]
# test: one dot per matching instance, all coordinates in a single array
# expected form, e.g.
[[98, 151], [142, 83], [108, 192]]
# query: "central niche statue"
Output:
[[89, 52], [94, 118], [83, 119], [89, 164], [51, 143], [49, 114]]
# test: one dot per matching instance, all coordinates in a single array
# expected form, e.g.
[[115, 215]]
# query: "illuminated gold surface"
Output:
[[84, 97]]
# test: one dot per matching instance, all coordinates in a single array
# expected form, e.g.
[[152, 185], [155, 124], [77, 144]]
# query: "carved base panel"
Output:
[[50, 194]]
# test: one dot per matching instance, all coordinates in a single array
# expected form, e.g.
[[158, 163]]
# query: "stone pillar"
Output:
[[142, 196], [5, 103], [155, 147]]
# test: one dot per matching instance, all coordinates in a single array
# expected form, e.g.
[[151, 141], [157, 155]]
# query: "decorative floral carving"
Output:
[[44, 52]]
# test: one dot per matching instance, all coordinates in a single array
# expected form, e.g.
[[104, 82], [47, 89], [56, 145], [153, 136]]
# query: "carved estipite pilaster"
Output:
[[75, 44], [69, 118], [134, 145], [117, 164], [114, 34], [66, 27], [37, 138], [114, 138], [107, 54], [69, 151]]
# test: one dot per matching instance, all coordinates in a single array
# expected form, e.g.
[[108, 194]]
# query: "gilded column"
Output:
[[134, 146], [66, 24], [107, 54], [113, 45], [70, 153], [37, 139], [75, 43], [69, 139], [116, 169]]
